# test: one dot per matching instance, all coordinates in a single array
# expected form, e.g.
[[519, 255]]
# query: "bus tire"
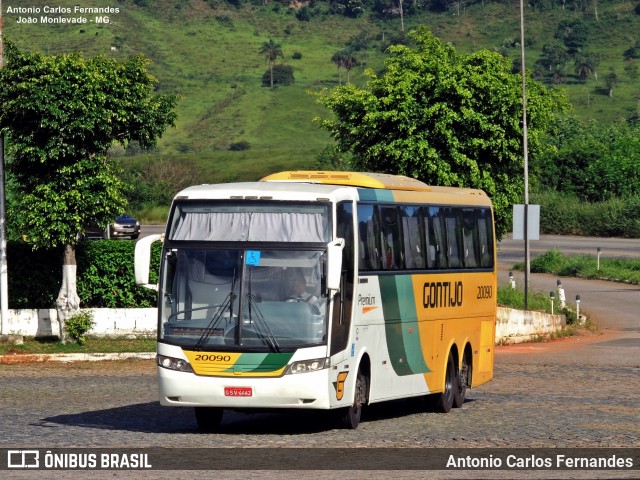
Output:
[[208, 418], [351, 416], [462, 381], [444, 401]]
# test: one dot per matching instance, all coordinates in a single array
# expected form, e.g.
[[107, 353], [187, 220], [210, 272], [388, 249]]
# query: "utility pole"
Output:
[[4, 289], [525, 146]]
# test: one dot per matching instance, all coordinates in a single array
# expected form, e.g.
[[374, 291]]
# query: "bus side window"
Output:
[[412, 236], [369, 250], [343, 302], [453, 249], [438, 238], [392, 258], [344, 229], [469, 238], [485, 234], [430, 244]]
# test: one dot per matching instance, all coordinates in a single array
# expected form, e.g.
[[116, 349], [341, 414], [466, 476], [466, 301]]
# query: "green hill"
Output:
[[208, 52]]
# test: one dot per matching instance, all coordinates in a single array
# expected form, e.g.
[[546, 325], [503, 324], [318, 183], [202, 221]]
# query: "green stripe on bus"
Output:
[[260, 362], [275, 361], [393, 326], [410, 333], [401, 326]]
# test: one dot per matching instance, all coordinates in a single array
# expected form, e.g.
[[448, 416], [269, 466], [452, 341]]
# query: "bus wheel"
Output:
[[444, 401], [352, 415], [208, 418], [462, 381]]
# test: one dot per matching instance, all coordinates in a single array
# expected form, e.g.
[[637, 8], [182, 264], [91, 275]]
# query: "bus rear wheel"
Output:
[[208, 418], [462, 382], [444, 401], [351, 416]]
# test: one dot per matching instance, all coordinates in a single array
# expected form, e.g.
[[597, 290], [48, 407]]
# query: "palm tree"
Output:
[[348, 61], [338, 59], [271, 50], [344, 58], [586, 65]]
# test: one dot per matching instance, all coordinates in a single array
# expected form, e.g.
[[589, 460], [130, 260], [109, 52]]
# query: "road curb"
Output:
[[73, 357]]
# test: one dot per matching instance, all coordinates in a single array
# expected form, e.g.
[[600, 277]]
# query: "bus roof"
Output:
[[336, 186], [354, 179]]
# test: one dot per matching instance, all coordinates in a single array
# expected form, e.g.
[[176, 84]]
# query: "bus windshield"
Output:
[[244, 299]]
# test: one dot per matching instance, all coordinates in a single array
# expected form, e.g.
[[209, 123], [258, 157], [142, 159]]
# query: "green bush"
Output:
[[105, 276], [565, 214], [34, 276], [78, 325], [240, 146], [282, 75], [514, 298], [551, 261]]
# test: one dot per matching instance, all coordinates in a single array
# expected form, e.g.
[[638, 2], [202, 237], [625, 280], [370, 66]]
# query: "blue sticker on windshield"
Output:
[[253, 257]]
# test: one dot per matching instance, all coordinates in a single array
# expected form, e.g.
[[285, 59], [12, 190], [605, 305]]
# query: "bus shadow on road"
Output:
[[153, 418], [143, 417], [401, 408]]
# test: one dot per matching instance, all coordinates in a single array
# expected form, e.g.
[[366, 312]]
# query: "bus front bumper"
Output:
[[304, 391]]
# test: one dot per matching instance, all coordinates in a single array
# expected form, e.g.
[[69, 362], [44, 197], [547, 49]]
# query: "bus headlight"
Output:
[[171, 363], [305, 366]]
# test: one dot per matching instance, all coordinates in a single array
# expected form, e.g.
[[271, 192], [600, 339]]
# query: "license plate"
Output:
[[238, 392]]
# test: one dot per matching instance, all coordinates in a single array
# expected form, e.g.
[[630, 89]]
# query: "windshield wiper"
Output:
[[261, 325], [228, 302]]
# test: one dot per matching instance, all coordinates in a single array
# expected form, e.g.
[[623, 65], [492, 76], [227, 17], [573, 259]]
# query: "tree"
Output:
[[401, 9], [595, 162], [344, 59], [611, 80], [348, 8], [443, 118], [574, 34], [279, 75], [271, 50], [338, 59], [586, 65], [348, 61], [63, 113], [553, 60]]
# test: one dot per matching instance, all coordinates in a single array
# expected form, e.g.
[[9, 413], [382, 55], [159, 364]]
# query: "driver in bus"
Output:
[[299, 292]]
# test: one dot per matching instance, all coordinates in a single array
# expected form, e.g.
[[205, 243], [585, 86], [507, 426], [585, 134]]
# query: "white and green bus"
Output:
[[323, 290]]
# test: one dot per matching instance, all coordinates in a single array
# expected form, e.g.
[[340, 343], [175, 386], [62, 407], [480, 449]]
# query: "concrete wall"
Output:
[[515, 326], [114, 322], [512, 326]]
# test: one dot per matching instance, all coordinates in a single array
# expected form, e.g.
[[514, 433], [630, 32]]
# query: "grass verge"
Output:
[[585, 266], [51, 345]]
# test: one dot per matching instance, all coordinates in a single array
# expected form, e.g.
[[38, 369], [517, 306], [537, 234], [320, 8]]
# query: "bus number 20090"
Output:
[[485, 291], [213, 358]]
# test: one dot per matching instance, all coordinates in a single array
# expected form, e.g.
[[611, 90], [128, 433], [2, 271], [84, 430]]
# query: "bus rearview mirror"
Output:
[[334, 267], [143, 260]]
